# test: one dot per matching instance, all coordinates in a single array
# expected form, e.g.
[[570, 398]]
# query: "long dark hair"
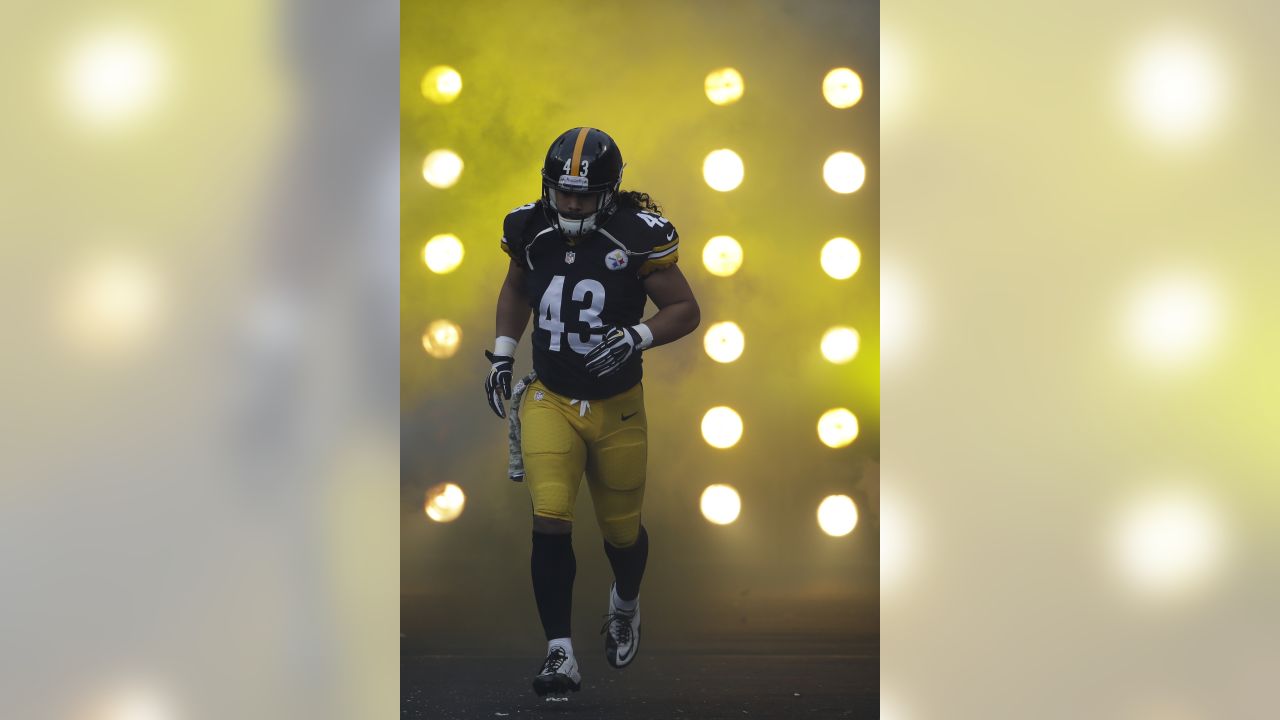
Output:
[[637, 200]]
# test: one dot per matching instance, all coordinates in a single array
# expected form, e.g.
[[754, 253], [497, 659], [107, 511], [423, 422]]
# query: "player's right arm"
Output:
[[514, 310], [513, 304]]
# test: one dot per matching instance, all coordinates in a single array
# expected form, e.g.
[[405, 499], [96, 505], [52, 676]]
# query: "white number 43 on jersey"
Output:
[[652, 220]]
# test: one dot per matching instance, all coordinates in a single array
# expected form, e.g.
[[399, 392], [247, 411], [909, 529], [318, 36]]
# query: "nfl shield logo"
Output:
[[568, 257]]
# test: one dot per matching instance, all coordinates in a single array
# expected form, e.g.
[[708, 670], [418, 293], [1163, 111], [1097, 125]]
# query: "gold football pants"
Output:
[[607, 440]]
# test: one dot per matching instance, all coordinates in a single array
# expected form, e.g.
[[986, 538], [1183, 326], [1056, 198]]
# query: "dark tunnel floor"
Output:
[[766, 641], [770, 681]]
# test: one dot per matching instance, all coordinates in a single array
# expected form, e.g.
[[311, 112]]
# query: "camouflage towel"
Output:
[[515, 461]]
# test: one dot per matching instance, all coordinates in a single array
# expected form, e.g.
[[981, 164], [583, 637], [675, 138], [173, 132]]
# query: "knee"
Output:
[[621, 533], [551, 526]]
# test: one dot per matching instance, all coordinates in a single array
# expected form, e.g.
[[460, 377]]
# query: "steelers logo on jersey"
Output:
[[616, 260]]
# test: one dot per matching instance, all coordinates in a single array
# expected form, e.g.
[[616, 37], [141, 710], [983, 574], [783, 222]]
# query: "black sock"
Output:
[[553, 567], [628, 565]]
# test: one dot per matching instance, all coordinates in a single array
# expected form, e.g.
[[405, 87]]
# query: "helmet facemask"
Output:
[[579, 224]]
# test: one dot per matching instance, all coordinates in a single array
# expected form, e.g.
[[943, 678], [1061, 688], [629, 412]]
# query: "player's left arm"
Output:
[[678, 313]]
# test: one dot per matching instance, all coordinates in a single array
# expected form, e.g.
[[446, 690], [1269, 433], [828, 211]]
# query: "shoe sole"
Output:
[[555, 684]]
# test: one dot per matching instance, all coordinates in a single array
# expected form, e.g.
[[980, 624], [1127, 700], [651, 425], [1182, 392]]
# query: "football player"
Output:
[[585, 258]]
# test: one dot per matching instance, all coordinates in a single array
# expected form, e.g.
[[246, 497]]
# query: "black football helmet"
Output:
[[584, 161]]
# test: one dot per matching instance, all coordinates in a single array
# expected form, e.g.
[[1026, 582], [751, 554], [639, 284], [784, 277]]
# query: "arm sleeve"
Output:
[[664, 254]]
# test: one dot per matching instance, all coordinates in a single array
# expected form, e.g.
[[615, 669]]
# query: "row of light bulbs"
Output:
[[723, 342], [841, 87], [722, 427], [722, 256], [722, 170], [840, 257], [720, 505]]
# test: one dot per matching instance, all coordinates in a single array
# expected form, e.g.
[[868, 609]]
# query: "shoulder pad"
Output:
[[513, 225], [513, 230], [643, 231], [649, 234]]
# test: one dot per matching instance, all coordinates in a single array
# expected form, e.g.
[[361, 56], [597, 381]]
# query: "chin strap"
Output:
[[583, 230]]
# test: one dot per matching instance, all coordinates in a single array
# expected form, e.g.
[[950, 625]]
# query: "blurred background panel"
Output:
[[199, 427], [1080, 310], [720, 112]]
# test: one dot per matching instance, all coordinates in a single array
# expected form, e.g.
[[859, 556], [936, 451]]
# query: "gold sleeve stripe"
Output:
[[505, 248], [656, 254], [664, 246], [659, 263]]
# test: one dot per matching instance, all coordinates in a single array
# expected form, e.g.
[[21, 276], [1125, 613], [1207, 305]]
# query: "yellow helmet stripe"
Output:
[[577, 151]]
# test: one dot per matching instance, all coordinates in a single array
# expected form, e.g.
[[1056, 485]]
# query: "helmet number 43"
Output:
[[569, 161]]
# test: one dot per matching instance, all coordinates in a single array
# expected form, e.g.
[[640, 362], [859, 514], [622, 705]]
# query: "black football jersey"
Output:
[[577, 289]]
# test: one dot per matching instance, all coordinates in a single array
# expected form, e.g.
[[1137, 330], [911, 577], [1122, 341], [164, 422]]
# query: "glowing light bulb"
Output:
[[723, 170], [844, 172], [842, 88], [722, 256], [113, 77], [441, 84], [837, 428], [1174, 87], [1167, 541], [840, 344], [840, 258], [720, 504], [133, 699], [724, 86], [442, 168], [443, 253], [441, 339], [1173, 319], [444, 502], [837, 515], [721, 427], [724, 342], [112, 304]]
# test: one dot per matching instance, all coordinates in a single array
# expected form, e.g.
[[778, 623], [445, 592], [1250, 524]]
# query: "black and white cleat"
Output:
[[558, 677], [621, 634]]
